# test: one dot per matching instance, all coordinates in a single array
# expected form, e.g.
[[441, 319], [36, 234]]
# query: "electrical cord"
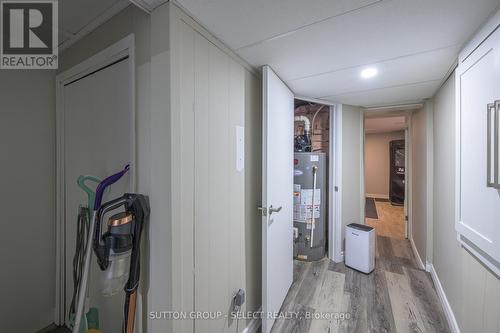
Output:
[[83, 226]]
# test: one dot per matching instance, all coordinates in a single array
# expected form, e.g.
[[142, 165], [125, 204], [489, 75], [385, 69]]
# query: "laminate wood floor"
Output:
[[390, 222], [396, 297]]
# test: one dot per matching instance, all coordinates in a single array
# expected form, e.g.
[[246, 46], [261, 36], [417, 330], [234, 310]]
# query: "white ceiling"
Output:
[[385, 125], [319, 47]]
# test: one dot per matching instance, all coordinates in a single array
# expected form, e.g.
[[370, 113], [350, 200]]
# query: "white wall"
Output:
[[214, 213], [27, 199], [471, 289], [377, 162], [352, 160]]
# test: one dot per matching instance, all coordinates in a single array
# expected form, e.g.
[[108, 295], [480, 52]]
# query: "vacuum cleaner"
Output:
[[117, 248]]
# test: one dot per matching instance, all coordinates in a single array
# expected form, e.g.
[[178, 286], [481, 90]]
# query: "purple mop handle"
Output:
[[105, 183]]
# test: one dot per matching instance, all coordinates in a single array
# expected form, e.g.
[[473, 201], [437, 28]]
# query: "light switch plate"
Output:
[[240, 148]]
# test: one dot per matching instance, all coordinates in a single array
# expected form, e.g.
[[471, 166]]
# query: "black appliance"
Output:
[[397, 172]]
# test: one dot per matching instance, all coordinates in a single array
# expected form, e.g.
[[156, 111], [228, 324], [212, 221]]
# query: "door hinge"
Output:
[[336, 188]]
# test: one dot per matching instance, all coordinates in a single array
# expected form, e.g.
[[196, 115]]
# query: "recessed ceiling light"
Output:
[[369, 73]]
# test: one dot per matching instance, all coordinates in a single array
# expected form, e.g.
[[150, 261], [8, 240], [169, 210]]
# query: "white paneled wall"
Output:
[[209, 102]]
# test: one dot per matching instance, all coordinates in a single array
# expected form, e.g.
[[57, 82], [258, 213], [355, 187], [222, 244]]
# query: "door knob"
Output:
[[274, 210]]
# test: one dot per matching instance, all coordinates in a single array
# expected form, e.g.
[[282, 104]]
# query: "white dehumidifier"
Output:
[[360, 247]]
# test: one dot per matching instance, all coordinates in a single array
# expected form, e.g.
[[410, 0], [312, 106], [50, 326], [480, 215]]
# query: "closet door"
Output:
[[478, 196], [98, 141]]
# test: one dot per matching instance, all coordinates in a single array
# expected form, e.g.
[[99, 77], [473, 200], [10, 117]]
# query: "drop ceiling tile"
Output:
[[241, 22], [417, 68], [385, 30], [407, 94]]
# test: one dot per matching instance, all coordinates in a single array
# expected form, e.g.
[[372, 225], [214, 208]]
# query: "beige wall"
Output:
[[352, 148], [377, 162], [27, 239], [471, 289], [419, 146]]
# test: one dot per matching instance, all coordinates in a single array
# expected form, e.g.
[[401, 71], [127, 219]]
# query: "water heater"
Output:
[[310, 209]]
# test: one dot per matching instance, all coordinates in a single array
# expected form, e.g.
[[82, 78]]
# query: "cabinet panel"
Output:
[[478, 87]]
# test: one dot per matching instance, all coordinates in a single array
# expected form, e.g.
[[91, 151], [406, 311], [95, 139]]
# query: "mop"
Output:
[[91, 318]]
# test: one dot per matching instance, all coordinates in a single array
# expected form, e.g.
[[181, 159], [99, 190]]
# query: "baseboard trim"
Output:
[[254, 325], [450, 316], [417, 255]]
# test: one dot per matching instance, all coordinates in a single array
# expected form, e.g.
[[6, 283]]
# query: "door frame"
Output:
[[117, 51], [409, 175], [334, 178], [408, 160], [407, 180]]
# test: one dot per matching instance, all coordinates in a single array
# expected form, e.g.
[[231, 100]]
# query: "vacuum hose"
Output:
[[82, 233]]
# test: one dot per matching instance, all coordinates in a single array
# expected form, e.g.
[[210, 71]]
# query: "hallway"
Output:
[[396, 297]]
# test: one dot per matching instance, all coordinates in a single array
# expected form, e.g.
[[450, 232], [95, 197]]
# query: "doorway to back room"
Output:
[[385, 174]]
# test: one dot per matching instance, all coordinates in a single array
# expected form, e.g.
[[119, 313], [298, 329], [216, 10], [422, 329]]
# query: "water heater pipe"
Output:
[[307, 123], [313, 219]]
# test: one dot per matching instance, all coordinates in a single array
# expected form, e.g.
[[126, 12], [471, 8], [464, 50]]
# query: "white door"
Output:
[[98, 141], [277, 220]]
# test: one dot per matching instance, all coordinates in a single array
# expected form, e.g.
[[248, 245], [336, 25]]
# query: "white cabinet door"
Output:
[[478, 205]]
